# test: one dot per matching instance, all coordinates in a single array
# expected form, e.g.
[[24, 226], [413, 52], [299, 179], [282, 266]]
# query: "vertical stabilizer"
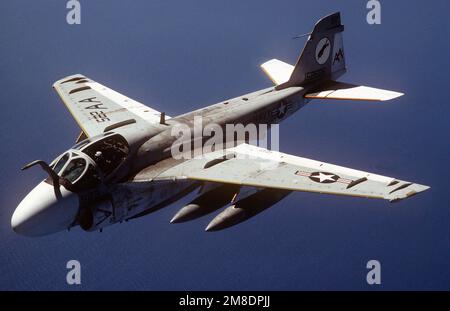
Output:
[[322, 57]]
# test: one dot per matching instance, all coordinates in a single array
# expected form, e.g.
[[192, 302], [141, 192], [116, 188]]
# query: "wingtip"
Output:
[[416, 189], [392, 95], [68, 78], [273, 60]]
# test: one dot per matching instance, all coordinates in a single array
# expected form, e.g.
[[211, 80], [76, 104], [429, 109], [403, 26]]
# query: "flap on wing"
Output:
[[279, 72], [340, 90], [97, 108], [259, 167]]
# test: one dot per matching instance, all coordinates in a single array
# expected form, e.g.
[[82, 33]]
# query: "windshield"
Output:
[[77, 168], [89, 162], [60, 164], [74, 169]]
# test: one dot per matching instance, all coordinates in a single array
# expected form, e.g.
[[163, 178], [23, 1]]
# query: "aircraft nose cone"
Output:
[[41, 212]]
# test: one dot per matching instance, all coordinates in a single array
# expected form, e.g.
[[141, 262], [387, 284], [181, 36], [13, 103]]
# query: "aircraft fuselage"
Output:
[[130, 200]]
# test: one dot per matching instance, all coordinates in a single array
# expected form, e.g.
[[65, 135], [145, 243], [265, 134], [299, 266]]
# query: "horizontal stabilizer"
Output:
[[340, 90], [279, 72]]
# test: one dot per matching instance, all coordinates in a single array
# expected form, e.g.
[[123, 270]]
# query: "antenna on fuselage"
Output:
[[302, 35], [162, 119]]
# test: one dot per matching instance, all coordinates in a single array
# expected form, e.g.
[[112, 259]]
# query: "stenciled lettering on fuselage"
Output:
[[314, 75], [97, 107]]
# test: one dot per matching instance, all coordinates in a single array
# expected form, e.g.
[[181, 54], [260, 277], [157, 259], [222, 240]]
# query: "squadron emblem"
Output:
[[323, 50]]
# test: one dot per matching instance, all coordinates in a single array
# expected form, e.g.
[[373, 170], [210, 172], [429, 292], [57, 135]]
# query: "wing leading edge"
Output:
[[97, 108], [248, 165]]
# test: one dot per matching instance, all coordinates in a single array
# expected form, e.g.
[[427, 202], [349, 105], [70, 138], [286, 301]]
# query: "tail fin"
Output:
[[322, 62], [322, 57]]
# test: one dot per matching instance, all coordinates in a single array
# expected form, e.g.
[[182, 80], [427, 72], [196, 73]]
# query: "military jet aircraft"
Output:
[[122, 167]]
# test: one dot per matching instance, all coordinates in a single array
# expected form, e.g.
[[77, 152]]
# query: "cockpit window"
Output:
[[108, 153], [60, 164], [91, 161], [74, 169], [87, 141], [77, 168]]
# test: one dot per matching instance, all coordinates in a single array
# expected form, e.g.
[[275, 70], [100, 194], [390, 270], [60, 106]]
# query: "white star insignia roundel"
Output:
[[324, 178]]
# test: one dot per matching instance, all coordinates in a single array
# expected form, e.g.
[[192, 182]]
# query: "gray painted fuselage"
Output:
[[141, 192]]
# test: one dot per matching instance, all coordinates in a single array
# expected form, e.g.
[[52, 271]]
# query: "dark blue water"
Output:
[[179, 56]]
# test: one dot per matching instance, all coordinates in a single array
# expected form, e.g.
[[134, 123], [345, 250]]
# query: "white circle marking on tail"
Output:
[[323, 49]]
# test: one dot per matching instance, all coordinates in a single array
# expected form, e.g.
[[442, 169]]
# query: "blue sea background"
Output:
[[176, 56]]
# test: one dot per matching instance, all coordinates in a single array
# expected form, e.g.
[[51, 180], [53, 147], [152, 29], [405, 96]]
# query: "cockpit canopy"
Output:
[[92, 160]]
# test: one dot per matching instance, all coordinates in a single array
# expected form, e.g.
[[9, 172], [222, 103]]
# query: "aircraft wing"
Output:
[[97, 108], [248, 165]]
